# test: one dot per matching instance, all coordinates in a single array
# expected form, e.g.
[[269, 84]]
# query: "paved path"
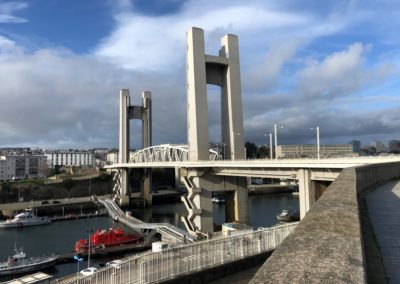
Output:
[[384, 211]]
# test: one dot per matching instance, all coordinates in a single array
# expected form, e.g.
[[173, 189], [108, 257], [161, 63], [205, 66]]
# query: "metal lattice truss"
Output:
[[117, 184], [166, 153]]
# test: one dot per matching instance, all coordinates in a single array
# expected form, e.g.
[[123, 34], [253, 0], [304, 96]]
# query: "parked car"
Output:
[[56, 202], [115, 263], [44, 202], [89, 271]]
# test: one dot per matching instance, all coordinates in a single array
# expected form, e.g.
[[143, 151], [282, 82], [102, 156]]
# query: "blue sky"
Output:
[[304, 63]]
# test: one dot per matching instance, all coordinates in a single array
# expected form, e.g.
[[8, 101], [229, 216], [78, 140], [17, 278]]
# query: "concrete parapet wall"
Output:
[[327, 246], [371, 175]]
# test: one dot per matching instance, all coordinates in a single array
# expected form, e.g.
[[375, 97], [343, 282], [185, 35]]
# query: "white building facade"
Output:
[[310, 151], [112, 158], [22, 167], [69, 158]]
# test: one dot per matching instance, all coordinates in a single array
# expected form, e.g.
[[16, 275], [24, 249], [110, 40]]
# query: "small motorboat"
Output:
[[26, 218], [218, 199], [19, 263], [288, 216]]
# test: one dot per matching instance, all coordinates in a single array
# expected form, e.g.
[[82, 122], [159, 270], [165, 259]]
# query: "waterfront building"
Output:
[[22, 167], [379, 146], [356, 145], [76, 158], [310, 151], [394, 146], [112, 158]]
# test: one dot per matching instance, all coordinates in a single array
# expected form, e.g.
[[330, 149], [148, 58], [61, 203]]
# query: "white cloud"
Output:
[[57, 98], [8, 8], [158, 43], [263, 76], [341, 73]]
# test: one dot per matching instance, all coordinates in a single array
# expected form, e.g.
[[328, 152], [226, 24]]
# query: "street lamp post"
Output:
[[88, 263], [318, 145], [78, 259], [318, 148], [19, 187], [270, 145], [276, 139]]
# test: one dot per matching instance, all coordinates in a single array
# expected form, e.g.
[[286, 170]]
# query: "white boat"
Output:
[[26, 218], [218, 199], [288, 216], [19, 263]]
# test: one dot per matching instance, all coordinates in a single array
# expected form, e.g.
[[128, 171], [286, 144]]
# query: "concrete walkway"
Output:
[[384, 211]]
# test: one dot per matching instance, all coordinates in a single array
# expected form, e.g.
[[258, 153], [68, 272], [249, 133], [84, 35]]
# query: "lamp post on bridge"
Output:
[[276, 139], [318, 146], [270, 145]]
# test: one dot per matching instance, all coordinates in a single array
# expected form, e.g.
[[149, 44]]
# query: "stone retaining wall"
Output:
[[327, 246]]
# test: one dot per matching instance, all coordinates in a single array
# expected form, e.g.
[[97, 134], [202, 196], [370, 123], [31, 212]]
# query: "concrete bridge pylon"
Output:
[[223, 71], [126, 113]]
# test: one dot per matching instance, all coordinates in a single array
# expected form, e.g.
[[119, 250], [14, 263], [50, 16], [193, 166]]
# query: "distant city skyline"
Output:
[[304, 64]]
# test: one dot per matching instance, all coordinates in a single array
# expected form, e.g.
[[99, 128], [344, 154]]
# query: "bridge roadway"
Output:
[[167, 231], [321, 169]]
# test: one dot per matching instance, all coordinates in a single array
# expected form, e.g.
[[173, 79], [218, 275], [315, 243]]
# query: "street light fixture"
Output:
[[78, 259], [318, 146]]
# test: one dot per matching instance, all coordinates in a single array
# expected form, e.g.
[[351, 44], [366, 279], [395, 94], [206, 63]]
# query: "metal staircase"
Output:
[[168, 232]]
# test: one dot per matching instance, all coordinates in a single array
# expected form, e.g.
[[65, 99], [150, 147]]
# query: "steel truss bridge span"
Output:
[[166, 153]]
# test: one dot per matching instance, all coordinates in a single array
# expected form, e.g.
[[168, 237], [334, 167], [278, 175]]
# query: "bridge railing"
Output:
[[178, 261]]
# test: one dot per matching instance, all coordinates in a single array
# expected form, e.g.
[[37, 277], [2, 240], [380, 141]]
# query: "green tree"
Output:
[[68, 184], [251, 150], [262, 152]]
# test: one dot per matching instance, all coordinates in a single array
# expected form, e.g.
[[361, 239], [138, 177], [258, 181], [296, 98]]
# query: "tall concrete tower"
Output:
[[222, 71], [126, 113]]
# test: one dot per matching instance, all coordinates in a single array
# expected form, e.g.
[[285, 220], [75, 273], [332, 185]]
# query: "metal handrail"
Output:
[[185, 259]]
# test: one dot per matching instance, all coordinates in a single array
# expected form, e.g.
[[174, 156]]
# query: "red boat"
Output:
[[110, 238]]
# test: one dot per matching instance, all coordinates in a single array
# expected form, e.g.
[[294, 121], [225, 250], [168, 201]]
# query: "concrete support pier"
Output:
[[306, 191]]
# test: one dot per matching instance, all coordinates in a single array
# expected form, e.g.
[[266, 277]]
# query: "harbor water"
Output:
[[60, 237]]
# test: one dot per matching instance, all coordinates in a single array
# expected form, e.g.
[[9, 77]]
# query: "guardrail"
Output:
[[179, 261]]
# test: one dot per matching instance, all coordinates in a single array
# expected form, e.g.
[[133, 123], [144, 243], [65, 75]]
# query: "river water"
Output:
[[60, 237]]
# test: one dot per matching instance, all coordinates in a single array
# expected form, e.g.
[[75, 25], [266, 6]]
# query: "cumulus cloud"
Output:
[[340, 73], [57, 98], [156, 43], [263, 76]]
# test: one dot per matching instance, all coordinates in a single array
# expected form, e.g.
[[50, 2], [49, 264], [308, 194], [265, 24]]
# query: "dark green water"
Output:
[[60, 237]]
